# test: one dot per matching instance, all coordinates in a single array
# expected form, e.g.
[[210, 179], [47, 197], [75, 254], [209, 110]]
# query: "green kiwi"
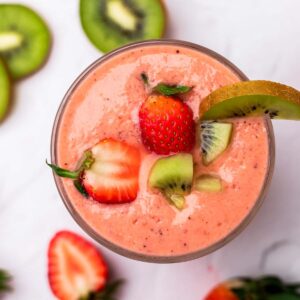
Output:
[[5, 90], [208, 183], [214, 138], [110, 24], [173, 176], [24, 39], [252, 98]]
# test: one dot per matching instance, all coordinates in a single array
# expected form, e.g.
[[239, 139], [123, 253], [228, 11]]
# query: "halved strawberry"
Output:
[[109, 172], [75, 267]]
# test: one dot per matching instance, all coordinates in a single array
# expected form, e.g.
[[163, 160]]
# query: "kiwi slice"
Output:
[[110, 24], [208, 183], [24, 39], [252, 98], [173, 176], [214, 138], [5, 89]]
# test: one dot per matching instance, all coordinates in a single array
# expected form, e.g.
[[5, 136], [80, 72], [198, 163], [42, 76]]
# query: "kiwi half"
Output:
[[173, 176], [214, 138], [24, 39], [252, 98], [5, 90], [110, 24]]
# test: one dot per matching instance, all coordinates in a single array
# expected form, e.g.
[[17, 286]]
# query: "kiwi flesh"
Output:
[[110, 24], [5, 91], [214, 139], [24, 39], [208, 183], [173, 176], [252, 98]]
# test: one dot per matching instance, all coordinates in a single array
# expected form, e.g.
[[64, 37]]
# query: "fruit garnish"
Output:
[[208, 183], [252, 98], [24, 39], [108, 172], [110, 24], [169, 90], [214, 139], [173, 177], [5, 279], [263, 288], [76, 269], [5, 91], [167, 125]]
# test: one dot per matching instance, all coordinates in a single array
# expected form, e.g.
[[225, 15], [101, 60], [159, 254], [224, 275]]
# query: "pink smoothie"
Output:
[[106, 103]]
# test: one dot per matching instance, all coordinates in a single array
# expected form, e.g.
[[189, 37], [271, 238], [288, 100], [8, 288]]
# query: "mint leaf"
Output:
[[169, 90], [4, 281]]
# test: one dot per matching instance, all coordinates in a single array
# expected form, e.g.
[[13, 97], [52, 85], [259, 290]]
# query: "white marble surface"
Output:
[[262, 38]]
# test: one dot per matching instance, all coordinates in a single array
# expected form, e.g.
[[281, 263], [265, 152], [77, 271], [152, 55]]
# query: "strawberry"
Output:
[[75, 267], [108, 173], [166, 125], [263, 288]]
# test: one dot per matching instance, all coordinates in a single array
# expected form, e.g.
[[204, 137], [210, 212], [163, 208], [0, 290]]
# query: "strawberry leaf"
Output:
[[4, 281], [80, 188], [169, 90], [108, 292], [63, 172]]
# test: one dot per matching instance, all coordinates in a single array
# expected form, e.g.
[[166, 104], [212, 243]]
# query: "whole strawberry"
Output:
[[263, 288], [166, 125]]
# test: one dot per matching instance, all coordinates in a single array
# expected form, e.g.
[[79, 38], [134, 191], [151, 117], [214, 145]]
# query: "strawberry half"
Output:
[[75, 267], [221, 292], [109, 172], [166, 125]]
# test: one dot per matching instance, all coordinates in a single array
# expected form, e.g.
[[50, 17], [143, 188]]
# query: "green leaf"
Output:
[[5, 279], [144, 78], [169, 90], [108, 292], [63, 172], [283, 296], [80, 188]]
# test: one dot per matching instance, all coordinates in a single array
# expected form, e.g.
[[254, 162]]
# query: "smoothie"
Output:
[[105, 104]]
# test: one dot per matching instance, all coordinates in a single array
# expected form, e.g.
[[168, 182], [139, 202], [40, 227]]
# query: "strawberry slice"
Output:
[[109, 172], [221, 292], [75, 267]]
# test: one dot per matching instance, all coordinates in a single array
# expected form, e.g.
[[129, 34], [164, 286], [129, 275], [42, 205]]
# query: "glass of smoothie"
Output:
[[104, 103]]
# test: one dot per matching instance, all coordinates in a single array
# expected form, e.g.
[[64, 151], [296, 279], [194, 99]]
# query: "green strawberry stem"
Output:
[[86, 163], [107, 293], [5, 279], [165, 89]]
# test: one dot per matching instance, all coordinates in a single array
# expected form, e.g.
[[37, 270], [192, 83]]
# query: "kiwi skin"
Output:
[[17, 63], [106, 45], [5, 91]]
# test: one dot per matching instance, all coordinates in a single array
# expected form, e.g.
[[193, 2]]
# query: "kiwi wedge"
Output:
[[208, 183], [24, 39], [173, 176], [214, 139], [5, 91], [252, 98], [110, 24]]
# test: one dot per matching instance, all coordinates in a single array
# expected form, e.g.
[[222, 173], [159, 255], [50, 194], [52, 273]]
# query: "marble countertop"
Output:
[[262, 38]]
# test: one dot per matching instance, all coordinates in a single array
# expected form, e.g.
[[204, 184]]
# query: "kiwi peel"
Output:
[[24, 39], [214, 138], [173, 177], [5, 90], [252, 98], [110, 24], [208, 183]]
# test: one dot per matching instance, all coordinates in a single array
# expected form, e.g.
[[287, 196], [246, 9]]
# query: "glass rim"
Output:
[[148, 257]]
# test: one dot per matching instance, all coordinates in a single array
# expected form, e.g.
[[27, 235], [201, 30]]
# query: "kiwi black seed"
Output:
[[214, 139], [110, 24], [5, 90], [24, 39], [173, 176]]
